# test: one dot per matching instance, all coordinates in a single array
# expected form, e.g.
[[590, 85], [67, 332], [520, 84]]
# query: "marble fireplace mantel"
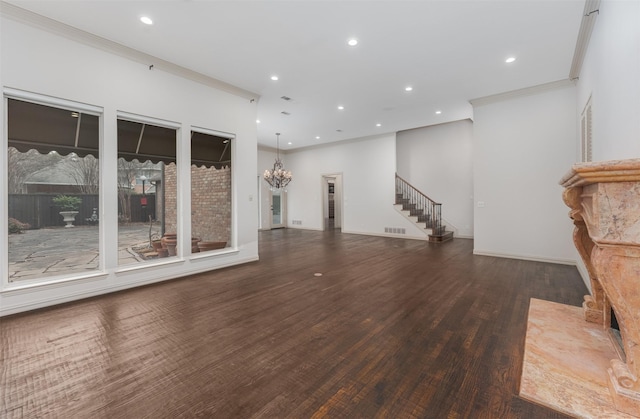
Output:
[[604, 198]]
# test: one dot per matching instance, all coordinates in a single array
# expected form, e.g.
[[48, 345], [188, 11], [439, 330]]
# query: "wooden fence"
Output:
[[39, 211]]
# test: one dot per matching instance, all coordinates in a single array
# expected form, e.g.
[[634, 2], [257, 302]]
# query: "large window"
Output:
[[53, 186], [210, 191], [147, 192], [53, 177]]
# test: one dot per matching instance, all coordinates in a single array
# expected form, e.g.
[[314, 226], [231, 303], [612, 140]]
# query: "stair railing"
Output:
[[431, 209]]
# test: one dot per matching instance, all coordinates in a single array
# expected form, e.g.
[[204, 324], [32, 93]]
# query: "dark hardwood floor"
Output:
[[392, 329]]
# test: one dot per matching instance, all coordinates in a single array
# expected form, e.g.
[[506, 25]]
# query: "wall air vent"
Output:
[[285, 98], [395, 230], [285, 113]]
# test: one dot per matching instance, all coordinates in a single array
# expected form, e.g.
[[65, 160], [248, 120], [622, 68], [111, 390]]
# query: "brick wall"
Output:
[[210, 202], [170, 198]]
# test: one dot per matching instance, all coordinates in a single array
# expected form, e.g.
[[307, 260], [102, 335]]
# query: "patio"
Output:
[[52, 251]]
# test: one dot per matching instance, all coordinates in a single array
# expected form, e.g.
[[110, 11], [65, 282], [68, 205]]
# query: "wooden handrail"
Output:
[[413, 187]]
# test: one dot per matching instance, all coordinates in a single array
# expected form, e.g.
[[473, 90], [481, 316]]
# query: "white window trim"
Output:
[[40, 99], [54, 102]]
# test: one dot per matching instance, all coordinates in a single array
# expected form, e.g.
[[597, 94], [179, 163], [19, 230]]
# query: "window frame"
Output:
[[68, 105], [177, 127], [233, 245]]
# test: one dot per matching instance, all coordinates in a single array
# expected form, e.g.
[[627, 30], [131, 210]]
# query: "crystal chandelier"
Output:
[[277, 177]]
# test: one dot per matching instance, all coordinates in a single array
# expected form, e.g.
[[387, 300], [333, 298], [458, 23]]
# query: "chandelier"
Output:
[[277, 177]]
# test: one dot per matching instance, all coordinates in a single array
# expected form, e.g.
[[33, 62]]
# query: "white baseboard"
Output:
[[525, 257], [392, 236], [297, 227]]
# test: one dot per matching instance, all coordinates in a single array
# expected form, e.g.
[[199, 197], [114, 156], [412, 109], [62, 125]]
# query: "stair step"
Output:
[[438, 233], [440, 238]]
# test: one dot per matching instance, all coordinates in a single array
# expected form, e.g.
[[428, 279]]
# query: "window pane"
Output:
[[147, 191], [210, 192], [53, 178]]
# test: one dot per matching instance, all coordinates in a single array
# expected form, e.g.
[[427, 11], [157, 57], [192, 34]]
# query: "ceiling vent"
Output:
[[285, 113], [287, 98]]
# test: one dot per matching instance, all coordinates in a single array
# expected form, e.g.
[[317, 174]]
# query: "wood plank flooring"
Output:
[[392, 329]]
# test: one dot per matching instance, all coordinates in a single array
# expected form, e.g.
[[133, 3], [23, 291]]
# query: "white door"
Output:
[[277, 209]]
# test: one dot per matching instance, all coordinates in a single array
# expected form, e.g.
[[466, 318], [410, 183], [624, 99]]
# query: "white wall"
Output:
[[368, 185], [611, 75], [522, 148], [38, 61], [438, 161]]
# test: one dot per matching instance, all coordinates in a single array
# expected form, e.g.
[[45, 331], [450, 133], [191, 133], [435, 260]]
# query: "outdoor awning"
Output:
[[144, 142], [46, 128], [210, 150]]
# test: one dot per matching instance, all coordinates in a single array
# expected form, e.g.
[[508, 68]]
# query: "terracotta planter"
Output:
[[205, 246], [171, 246], [156, 244], [168, 236], [163, 253]]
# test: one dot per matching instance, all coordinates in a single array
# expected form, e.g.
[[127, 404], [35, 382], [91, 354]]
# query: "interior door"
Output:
[[277, 209]]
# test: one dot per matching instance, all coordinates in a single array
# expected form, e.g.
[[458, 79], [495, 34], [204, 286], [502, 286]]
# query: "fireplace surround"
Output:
[[604, 198]]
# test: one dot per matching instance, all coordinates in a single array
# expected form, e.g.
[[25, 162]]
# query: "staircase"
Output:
[[423, 211]]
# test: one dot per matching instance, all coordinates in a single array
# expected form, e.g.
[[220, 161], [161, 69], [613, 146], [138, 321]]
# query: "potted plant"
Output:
[[69, 206]]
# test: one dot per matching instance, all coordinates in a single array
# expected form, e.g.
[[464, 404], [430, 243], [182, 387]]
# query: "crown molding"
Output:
[[589, 16], [30, 18], [486, 100]]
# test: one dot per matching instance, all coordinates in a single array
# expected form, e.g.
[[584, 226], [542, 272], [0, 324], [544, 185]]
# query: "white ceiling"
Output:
[[448, 51]]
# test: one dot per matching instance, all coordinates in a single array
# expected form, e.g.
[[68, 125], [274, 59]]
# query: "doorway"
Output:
[[278, 219], [332, 201]]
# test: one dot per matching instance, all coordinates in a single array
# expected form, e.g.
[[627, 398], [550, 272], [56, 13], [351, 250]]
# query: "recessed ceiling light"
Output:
[[257, 121], [146, 20], [438, 112], [289, 143], [341, 108], [352, 42], [510, 60], [408, 88], [274, 78], [317, 137], [378, 125]]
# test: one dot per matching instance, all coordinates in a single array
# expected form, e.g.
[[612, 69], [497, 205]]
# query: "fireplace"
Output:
[[604, 198]]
